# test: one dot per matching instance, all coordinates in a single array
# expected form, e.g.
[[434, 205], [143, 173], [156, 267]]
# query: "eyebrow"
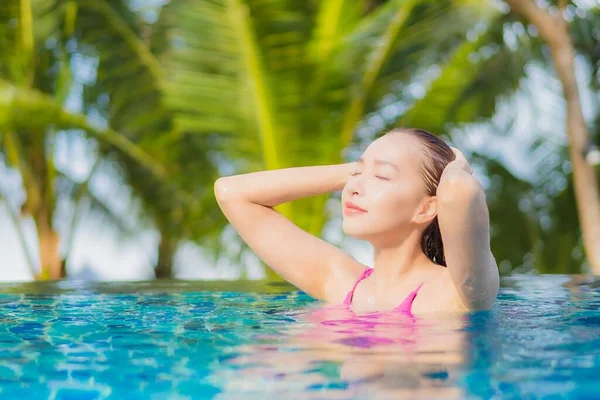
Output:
[[361, 160]]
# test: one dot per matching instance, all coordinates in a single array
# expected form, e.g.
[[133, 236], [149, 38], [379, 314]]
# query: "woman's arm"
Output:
[[464, 224], [311, 264]]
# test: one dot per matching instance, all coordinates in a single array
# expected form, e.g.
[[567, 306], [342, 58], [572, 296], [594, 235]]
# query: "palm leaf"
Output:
[[396, 17], [333, 20], [28, 108], [97, 207], [127, 71], [387, 50], [129, 55], [471, 81]]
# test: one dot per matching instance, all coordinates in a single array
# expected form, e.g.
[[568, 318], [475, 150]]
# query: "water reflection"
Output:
[[542, 340], [332, 353]]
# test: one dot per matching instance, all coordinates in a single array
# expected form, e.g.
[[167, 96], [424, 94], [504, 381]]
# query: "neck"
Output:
[[395, 262]]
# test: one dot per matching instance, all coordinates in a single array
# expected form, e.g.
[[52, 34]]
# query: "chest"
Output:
[[368, 298], [432, 296]]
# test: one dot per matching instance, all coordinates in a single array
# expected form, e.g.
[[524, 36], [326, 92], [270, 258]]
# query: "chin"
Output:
[[355, 230]]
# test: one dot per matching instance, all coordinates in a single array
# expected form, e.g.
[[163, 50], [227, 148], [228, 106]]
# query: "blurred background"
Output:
[[116, 117]]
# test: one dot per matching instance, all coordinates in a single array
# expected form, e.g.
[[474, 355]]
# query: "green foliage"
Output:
[[534, 223], [36, 79], [242, 85], [472, 80], [131, 76]]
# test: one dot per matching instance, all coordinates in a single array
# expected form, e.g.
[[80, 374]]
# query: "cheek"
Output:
[[394, 207], [390, 200]]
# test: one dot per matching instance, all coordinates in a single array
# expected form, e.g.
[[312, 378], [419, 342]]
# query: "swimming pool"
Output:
[[182, 340]]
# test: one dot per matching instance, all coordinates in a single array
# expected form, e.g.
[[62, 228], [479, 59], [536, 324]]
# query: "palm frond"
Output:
[[398, 14], [388, 49], [333, 20], [28, 108], [95, 206], [128, 73], [471, 81]]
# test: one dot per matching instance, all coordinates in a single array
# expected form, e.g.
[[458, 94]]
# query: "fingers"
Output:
[[461, 161], [459, 154]]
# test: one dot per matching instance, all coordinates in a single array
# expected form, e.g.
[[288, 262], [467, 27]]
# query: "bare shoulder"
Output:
[[447, 297], [344, 273], [438, 294]]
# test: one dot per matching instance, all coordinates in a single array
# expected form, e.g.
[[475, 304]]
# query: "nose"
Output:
[[355, 186]]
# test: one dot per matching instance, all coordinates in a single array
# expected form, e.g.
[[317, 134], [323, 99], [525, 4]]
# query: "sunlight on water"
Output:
[[218, 340]]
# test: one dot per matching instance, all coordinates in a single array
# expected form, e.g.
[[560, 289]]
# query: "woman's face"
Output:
[[387, 186]]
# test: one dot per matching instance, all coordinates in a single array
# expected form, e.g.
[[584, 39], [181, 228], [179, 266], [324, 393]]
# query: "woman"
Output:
[[410, 195]]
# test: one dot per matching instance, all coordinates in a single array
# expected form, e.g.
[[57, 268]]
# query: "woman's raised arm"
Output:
[[311, 264], [465, 227]]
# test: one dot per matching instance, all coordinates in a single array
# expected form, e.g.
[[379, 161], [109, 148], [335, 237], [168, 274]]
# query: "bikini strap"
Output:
[[350, 294], [406, 305]]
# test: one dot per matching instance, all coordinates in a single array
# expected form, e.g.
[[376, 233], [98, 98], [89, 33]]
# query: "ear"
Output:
[[427, 211]]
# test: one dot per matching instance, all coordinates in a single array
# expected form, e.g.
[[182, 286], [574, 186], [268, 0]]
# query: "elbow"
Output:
[[459, 187], [223, 190]]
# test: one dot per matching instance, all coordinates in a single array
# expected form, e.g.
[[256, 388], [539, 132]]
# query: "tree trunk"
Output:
[[166, 254], [50, 261], [554, 31]]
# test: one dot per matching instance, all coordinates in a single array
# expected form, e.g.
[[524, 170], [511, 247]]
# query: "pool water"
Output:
[[184, 340]]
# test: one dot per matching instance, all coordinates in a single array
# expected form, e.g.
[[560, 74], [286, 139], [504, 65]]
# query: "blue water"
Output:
[[184, 340]]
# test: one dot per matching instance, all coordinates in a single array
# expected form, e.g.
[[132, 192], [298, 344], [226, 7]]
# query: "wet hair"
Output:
[[438, 154]]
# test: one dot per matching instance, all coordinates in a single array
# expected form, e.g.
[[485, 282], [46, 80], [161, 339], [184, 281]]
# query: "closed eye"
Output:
[[382, 178]]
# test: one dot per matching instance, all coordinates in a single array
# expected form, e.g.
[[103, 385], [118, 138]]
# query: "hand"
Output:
[[349, 169], [460, 161]]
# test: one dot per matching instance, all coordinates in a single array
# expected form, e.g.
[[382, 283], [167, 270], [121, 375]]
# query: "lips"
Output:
[[353, 209]]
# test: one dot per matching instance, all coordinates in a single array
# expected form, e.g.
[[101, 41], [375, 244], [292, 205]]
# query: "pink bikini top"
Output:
[[405, 306]]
